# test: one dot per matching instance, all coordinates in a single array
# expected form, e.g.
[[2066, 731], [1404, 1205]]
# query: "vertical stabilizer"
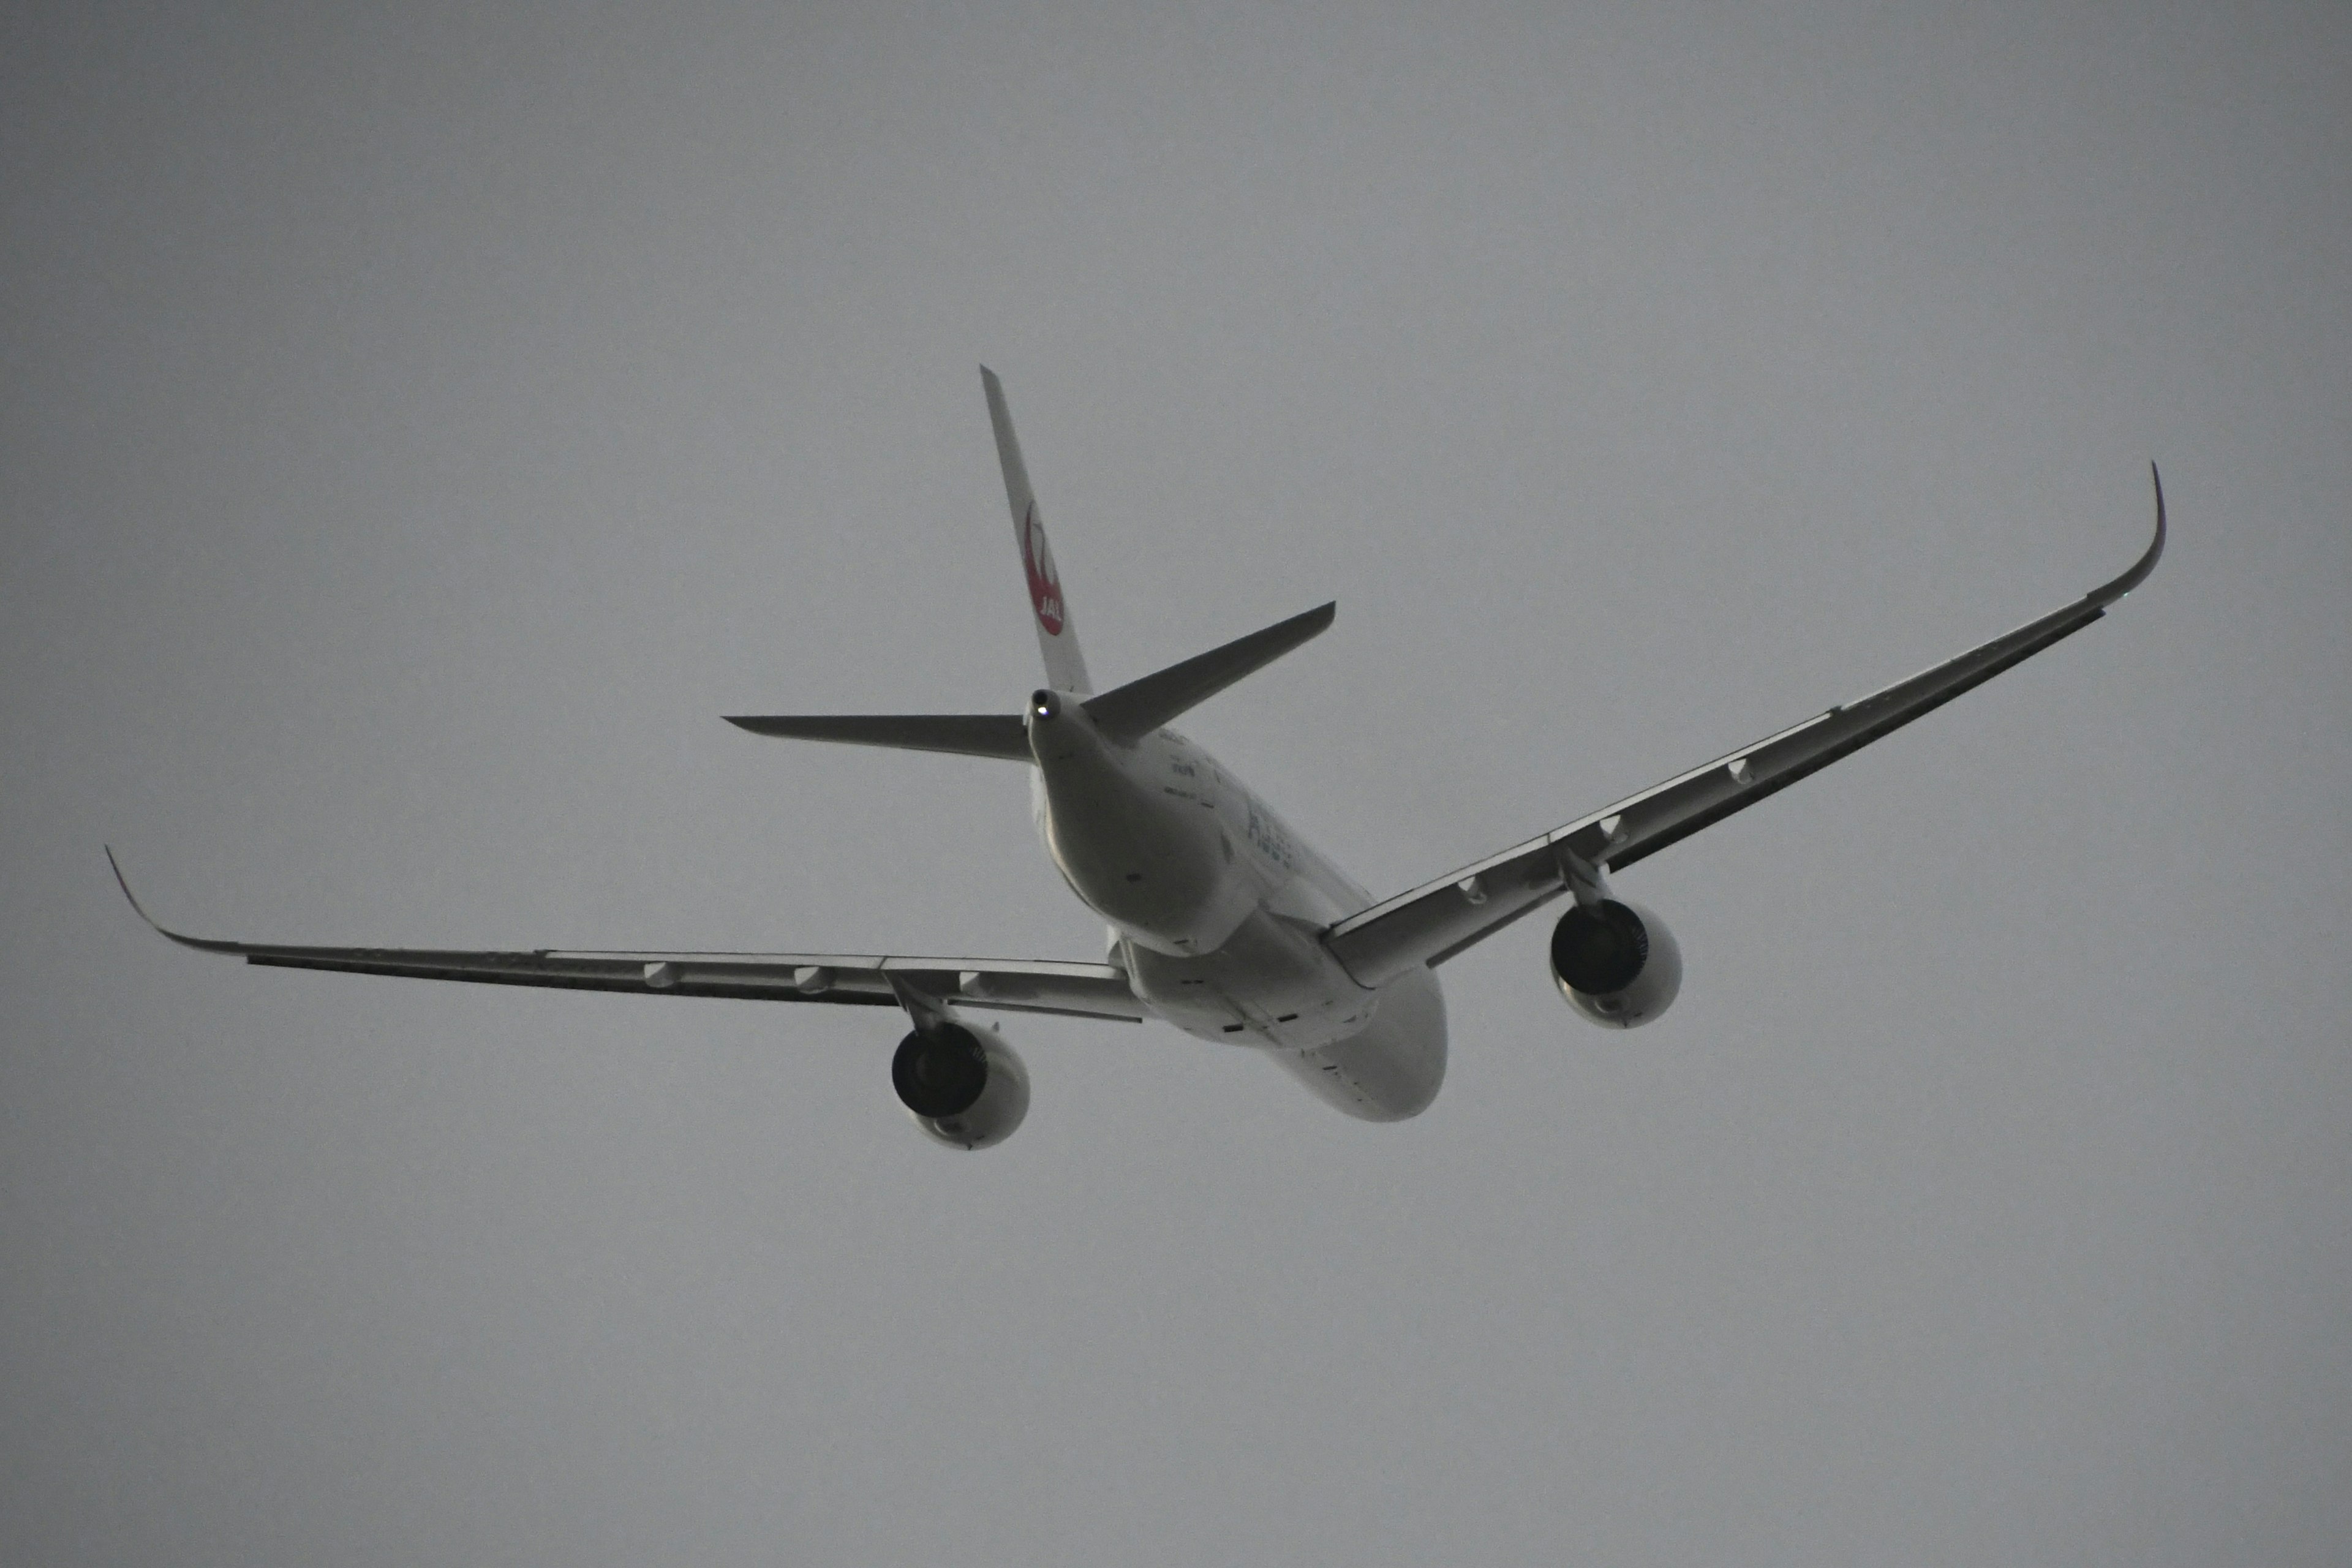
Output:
[[1058, 636]]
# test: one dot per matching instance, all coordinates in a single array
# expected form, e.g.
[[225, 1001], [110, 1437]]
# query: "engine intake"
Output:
[[1616, 963], [965, 1088]]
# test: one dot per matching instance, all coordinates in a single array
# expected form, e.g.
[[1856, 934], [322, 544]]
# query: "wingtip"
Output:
[[159, 929], [2147, 563], [2137, 574], [123, 882]]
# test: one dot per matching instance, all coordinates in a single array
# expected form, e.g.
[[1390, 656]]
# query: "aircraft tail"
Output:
[[1125, 715], [1057, 637]]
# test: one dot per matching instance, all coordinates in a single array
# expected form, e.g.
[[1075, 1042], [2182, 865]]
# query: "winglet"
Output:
[[161, 929], [2145, 564]]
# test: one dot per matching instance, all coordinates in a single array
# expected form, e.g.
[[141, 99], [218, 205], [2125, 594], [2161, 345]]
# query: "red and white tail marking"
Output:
[[1058, 639], [1045, 582]]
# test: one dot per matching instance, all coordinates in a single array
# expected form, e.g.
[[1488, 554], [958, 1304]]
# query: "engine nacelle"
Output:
[[1616, 963], [964, 1087]]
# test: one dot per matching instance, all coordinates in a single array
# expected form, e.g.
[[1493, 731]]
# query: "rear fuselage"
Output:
[[1217, 908]]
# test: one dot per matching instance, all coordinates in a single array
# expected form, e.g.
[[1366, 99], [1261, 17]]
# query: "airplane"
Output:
[[1224, 922]]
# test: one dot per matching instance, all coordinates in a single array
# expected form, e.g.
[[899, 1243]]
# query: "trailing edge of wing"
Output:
[[1433, 922], [1032, 986], [965, 734]]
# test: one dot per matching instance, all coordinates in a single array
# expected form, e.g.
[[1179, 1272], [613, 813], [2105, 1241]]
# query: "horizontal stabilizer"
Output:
[[1140, 707], [965, 734]]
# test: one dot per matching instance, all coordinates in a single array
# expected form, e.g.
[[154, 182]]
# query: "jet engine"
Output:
[[964, 1087], [1616, 963]]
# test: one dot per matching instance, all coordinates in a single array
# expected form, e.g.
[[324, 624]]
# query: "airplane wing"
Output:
[[1041, 986], [1432, 923]]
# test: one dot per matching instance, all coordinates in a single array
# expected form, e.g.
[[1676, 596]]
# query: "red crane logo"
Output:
[[1038, 560]]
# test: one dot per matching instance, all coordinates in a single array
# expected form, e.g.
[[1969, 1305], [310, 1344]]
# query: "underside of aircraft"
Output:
[[1223, 921]]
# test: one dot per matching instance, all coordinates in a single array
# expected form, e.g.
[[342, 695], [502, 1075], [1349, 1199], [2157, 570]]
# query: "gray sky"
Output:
[[419, 424]]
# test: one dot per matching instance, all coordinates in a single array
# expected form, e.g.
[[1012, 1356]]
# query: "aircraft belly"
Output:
[[1220, 909], [1155, 864], [1271, 982], [1392, 1068]]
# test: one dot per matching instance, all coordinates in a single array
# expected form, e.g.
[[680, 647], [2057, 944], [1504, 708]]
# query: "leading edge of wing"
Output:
[[1030, 985], [1431, 923]]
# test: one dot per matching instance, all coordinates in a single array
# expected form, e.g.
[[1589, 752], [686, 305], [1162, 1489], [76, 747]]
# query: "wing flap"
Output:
[[1031, 985], [519, 970]]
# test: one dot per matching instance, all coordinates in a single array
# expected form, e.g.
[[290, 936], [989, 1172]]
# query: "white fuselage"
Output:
[[1216, 907]]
